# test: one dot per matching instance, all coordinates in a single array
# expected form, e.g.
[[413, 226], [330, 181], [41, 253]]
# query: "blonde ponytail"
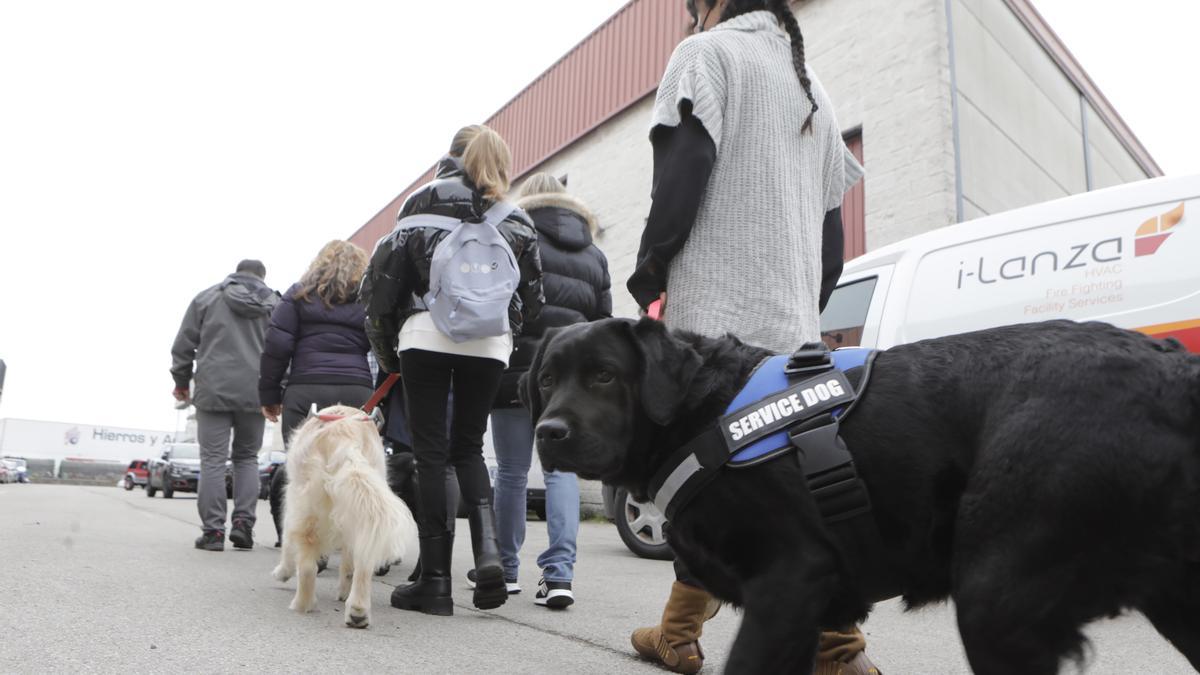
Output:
[[487, 161]]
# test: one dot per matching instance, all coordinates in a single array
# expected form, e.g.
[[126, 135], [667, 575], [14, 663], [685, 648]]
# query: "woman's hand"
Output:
[[658, 309], [272, 412]]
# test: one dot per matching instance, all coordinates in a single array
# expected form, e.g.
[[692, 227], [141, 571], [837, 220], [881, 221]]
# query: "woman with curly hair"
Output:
[[316, 348]]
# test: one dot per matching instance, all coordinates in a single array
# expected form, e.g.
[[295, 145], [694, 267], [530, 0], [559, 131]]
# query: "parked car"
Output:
[[137, 473], [268, 462], [178, 470], [641, 525], [18, 467]]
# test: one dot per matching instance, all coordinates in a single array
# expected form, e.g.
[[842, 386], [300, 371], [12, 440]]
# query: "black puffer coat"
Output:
[[398, 275], [575, 278]]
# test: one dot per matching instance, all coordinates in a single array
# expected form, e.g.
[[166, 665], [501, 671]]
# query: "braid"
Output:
[[780, 7], [782, 12]]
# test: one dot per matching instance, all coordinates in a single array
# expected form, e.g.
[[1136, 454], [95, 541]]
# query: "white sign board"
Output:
[[61, 440]]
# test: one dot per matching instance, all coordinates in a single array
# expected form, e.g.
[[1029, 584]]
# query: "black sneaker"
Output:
[[241, 535], [512, 587], [213, 540], [554, 594]]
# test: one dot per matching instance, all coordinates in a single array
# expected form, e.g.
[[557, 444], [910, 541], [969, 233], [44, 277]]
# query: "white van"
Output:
[[1128, 255]]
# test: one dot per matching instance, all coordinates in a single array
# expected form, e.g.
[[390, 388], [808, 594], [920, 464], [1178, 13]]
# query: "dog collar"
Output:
[[791, 402]]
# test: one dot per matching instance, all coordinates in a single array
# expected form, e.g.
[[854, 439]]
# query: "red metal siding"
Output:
[[854, 214], [613, 68]]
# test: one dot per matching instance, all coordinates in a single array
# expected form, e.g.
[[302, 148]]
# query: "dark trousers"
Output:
[[428, 378], [297, 401]]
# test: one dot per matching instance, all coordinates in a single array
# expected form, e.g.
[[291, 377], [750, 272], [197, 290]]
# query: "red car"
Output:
[[137, 473]]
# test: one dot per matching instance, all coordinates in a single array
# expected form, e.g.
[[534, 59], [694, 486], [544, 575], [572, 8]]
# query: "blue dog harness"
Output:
[[795, 403], [791, 402]]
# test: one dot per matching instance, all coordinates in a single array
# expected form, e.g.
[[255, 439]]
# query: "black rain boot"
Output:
[[431, 593], [490, 589], [451, 511]]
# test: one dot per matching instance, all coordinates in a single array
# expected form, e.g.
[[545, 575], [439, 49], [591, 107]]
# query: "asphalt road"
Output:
[[99, 579]]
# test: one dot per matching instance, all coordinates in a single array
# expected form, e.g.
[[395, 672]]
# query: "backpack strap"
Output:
[[427, 220], [498, 212], [493, 216]]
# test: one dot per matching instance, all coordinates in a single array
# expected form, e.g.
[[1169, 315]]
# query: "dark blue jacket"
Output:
[[321, 345]]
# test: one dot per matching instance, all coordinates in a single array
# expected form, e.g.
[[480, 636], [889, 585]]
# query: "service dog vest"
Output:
[[792, 403]]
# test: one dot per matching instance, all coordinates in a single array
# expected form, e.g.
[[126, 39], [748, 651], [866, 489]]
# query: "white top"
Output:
[[752, 264], [419, 332]]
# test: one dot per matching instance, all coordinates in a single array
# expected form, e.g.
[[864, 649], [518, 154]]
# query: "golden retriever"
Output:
[[338, 498]]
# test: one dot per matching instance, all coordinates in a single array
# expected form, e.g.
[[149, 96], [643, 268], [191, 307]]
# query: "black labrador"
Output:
[[1041, 475]]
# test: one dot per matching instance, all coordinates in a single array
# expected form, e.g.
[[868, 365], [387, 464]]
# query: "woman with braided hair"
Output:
[[744, 234]]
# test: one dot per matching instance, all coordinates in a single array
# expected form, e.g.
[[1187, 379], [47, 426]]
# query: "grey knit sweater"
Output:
[[752, 264]]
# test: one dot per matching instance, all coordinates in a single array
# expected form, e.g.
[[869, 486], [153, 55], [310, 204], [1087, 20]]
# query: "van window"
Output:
[[844, 317]]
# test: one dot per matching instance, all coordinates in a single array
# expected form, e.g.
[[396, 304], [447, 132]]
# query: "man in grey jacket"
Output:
[[219, 345]]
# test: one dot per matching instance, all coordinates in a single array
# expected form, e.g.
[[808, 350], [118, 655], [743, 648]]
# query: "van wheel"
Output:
[[128, 484], [168, 491], [642, 527], [150, 489]]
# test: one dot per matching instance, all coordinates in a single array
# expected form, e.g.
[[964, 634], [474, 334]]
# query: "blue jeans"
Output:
[[512, 436]]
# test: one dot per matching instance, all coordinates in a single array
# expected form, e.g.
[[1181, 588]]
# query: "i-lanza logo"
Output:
[[71, 437], [1154, 232], [1102, 254]]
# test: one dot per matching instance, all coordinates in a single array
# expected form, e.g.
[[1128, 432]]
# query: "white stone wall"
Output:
[[1021, 119], [886, 67], [886, 71], [885, 64]]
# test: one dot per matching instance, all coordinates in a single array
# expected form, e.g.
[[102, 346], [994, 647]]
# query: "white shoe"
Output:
[[554, 594]]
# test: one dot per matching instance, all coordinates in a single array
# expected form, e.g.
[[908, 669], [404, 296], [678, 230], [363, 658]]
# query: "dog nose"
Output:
[[552, 431]]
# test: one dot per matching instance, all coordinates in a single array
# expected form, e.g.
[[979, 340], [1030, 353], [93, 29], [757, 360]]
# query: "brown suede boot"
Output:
[[843, 653], [674, 644]]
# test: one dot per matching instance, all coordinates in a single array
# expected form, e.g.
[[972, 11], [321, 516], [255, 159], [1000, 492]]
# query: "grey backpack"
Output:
[[472, 276]]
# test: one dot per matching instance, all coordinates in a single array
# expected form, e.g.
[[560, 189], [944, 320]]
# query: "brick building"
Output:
[[957, 109]]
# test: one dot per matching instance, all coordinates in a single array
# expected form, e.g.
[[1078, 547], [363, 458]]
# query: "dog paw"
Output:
[[357, 617], [280, 573], [303, 607]]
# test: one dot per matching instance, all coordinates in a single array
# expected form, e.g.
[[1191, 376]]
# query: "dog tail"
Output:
[[375, 524]]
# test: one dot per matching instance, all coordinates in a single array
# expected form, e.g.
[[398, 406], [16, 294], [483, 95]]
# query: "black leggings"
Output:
[[427, 379]]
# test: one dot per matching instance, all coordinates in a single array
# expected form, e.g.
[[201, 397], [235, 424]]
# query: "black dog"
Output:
[[1041, 475]]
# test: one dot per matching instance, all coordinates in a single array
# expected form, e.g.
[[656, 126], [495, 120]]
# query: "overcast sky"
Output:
[[146, 147]]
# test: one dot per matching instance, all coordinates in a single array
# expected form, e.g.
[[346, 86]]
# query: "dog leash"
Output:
[[382, 391], [371, 408]]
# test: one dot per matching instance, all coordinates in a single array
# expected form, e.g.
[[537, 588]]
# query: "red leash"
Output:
[[369, 408], [382, 391]]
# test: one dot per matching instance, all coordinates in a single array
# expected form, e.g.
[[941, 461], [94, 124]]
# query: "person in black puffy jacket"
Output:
[[406, 339], [578, 289], [315, 349]]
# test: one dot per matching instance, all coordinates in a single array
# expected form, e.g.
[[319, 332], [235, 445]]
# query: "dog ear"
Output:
[[669, 367], [527, 387]]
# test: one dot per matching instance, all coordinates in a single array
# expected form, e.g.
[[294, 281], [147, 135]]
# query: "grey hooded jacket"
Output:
[[222, 335]]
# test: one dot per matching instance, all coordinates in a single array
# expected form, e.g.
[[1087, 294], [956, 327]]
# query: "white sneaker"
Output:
[[554, 594]]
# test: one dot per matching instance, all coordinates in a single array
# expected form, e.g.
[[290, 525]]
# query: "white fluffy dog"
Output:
[[338, 498]]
